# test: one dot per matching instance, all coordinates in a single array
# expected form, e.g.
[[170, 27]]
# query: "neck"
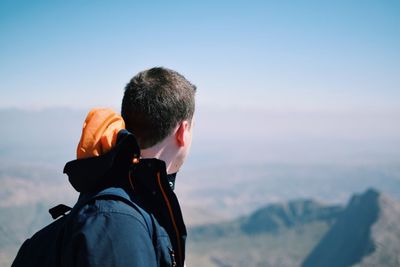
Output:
[[162, 152]]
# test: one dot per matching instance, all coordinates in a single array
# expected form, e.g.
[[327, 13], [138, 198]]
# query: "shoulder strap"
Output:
[[59, 210], [145, 215], [110, 193]]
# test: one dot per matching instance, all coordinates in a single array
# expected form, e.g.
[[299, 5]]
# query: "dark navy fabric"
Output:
[[43, 248], [113, 231], [104, 229]]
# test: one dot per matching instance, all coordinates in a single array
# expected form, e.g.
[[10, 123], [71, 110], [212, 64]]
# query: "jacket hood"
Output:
[[99, 172], [99, 132], [105, 150]]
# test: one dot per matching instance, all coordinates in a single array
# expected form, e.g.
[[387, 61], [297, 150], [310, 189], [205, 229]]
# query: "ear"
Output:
[[180, 134]]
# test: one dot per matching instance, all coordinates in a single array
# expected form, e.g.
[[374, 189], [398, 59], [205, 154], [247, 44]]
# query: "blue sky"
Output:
[[264, 54]]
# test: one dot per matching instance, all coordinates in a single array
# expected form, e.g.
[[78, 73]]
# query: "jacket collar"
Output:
[[96, 173]]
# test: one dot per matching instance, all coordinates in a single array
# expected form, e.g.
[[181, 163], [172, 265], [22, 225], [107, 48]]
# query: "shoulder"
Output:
[[108, 232], [108, 225], [112, 211]]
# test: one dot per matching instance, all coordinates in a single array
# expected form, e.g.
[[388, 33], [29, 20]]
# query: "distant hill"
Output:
[[271, 219], [304, 233], [295, 213], [385, 235], [276, 235], [367, 233], [283, 234]]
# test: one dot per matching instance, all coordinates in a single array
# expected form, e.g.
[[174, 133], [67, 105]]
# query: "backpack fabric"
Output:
[[45, 247]]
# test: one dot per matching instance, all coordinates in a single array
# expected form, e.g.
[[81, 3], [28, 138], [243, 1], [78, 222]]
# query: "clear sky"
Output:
[[270, 54]]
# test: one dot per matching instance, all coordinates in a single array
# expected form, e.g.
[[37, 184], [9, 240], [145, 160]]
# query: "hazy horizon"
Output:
[[227, 136]]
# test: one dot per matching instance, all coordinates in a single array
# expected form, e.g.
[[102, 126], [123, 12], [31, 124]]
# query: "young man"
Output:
[[127, 213]]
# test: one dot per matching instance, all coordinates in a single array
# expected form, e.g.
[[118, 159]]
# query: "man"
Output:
[[127, 213]]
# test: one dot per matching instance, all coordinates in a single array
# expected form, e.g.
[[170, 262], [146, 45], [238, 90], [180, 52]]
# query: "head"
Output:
[[158, 107]]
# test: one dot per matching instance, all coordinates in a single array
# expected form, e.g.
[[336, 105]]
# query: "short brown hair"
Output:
[[154, 102]]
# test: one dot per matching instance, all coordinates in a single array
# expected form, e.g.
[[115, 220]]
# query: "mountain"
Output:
[[279, 234], [304, 233], [385, 234], [271, 219], [284, 234], [367, 233], [275, 217]]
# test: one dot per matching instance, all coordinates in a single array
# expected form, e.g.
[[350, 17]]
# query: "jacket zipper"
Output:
[[171, 214], [172, 254]]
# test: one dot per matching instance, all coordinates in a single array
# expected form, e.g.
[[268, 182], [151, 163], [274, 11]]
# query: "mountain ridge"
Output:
[[365, 232], [271, 219], [349, 239]]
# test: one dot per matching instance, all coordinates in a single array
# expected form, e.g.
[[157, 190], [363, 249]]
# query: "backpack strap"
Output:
[[109, 193], [120, 194], [59, 210]]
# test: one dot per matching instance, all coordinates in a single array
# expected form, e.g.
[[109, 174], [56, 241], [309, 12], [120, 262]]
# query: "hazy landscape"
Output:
[[249, 197], [295, 158], [305, 233]]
